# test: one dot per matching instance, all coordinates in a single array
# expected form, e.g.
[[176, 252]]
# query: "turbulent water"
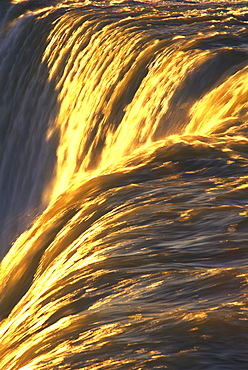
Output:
[[123, 185]]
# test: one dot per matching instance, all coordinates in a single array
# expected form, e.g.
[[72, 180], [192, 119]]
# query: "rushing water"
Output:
[[123, 185]]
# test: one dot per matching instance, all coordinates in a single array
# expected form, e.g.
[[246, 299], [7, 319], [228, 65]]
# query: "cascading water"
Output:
[[123, 169]]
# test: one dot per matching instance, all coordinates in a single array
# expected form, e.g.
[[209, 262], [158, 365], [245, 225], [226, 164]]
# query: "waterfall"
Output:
[[123, 185]]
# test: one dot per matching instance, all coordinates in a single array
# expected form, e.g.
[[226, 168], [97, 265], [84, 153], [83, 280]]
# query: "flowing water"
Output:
[[123, 185]]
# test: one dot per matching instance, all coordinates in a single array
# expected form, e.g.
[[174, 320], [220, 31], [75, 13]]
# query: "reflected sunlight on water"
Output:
[[123, 182]]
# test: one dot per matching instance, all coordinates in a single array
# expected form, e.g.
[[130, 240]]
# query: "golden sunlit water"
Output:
[[123, 185]]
